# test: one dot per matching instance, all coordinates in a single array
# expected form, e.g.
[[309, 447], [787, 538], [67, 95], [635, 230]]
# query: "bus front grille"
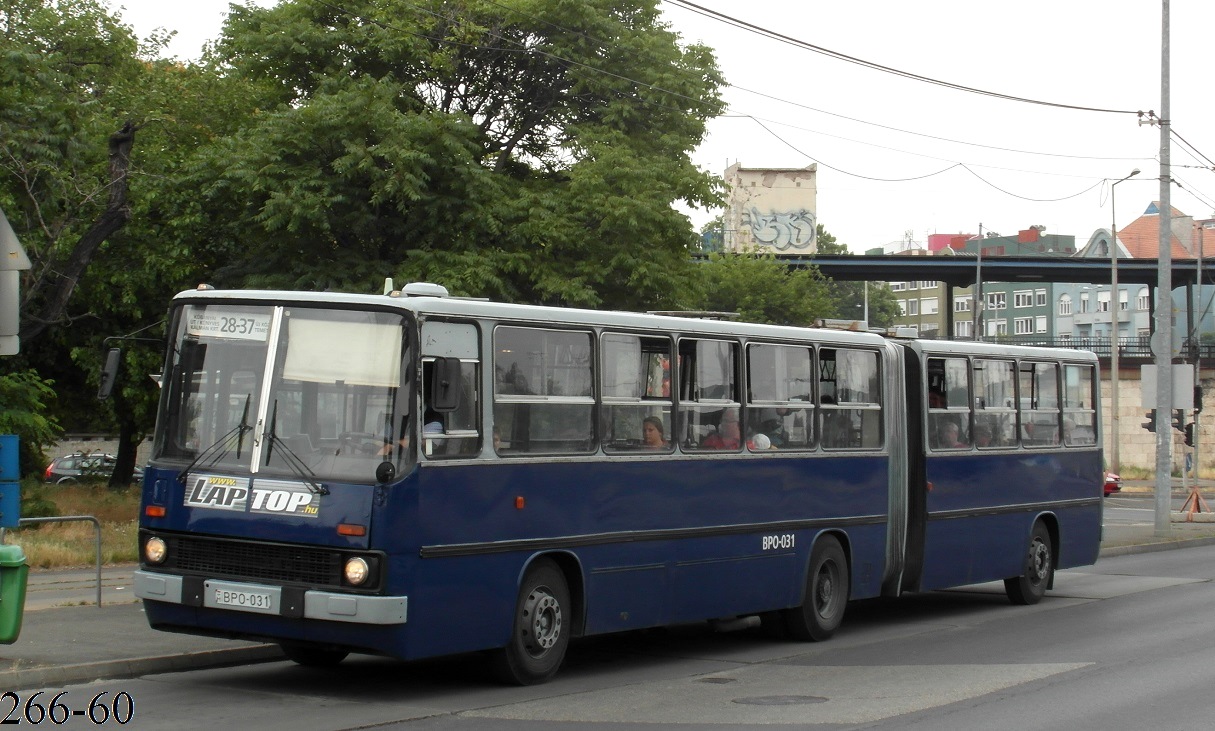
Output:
[[250, 560]]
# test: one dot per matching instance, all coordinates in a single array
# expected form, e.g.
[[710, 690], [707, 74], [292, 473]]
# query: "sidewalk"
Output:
[[66, 638], [62, 645]]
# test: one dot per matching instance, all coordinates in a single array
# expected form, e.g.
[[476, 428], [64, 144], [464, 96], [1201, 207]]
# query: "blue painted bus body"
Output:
[[981, 508], [652, 547]]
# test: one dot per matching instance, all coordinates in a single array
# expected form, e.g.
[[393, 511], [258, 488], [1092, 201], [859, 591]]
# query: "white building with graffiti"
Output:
[[771, 209]]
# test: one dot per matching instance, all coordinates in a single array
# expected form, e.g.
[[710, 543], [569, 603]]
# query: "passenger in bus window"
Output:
[[727, 436], [772, 425], [759, 443], [950, 436], [1039, 433], [652, 433], [1079, 433], [983, 436], [432, 424]]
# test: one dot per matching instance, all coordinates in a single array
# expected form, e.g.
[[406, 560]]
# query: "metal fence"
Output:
[[68, 519]]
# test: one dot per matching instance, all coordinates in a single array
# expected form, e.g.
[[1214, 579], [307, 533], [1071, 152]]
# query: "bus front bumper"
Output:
[[272, 600]]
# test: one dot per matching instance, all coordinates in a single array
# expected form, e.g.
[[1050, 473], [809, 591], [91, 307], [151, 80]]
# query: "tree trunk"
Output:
[[128, 452], [115, 216]]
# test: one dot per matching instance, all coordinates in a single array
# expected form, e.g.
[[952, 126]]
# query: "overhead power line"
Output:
[[961, 165], [1194, 151], [879, 67]]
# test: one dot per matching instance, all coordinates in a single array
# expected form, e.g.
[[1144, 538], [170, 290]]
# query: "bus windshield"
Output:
[[286, 391]]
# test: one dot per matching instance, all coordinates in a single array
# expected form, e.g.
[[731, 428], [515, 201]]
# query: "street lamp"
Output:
[[1115, 316]]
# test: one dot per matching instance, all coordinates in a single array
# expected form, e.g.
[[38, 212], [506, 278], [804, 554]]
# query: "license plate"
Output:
[[223, 595]]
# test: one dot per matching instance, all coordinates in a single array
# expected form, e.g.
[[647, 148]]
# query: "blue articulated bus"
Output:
[[416, 474]]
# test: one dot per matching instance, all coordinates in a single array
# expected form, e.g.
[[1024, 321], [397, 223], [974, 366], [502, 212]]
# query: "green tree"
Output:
[[65, 150], [761, 288], [66, 147], [24, 397], [109, 229], [526, 151]]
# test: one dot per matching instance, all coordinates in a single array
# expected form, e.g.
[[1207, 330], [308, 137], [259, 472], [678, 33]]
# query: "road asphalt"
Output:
[[66, 638]]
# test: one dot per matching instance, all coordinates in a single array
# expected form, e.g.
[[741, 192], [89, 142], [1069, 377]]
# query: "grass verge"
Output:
[[72, 545]]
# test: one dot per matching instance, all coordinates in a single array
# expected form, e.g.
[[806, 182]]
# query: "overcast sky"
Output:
[[881, 141]]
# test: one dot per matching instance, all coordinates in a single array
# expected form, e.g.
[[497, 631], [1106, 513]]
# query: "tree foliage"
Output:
[[64, 142], [94, 135], [526, 151], [24, 398], [761, 288]]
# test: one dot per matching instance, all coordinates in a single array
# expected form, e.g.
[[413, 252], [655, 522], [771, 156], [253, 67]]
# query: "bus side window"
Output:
[[850, 399], [458, 432], [949, 403], [544, 396], [710, 408], [637, 407], [779, 381], [450, 424], [1079, 413], [995, 386], [1039, 412]]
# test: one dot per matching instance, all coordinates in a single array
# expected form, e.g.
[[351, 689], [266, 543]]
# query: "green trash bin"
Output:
[[14, 572]]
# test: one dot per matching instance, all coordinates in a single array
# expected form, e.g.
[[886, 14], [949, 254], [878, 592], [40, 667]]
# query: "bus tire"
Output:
[[540, 628], [826, 597], [312, 656], [1030, 586]]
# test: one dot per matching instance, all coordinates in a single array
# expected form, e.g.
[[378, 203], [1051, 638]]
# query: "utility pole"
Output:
[[1198, 392], [1164, 304]]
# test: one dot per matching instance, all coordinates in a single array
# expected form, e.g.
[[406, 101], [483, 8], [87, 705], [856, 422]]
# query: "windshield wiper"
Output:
[[222, 446], [291, 459]]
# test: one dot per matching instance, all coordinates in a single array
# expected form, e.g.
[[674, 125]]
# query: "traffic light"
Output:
[[1150, 424], [1197, 399], [1178, 416], [1189, 434]]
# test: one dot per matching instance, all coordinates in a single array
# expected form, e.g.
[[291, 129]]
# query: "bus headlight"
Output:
[[357, 571], [155, 550]]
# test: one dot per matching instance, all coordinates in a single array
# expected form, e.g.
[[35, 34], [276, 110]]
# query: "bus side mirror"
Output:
[[445, 385], [109, 373]]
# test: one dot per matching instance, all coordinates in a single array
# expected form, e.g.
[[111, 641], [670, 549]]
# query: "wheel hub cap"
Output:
[[542, 621]]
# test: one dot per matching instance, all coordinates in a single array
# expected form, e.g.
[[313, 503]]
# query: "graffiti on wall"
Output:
[[781, 230]]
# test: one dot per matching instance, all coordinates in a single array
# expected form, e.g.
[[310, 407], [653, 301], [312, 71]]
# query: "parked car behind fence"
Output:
[[85, 466]]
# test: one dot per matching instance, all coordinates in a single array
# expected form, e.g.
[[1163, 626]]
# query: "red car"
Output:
[[1113, 483]]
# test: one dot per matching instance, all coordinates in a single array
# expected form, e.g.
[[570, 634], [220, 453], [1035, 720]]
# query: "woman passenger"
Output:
[[651, 433]]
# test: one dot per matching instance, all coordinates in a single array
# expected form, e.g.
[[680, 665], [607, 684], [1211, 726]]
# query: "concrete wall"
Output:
[[771, 209], [1136, 445], [73, 443]]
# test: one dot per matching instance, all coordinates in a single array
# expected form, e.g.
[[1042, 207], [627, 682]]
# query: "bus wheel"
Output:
[[539, 635], [1030, 587], [311, 656], [827, 588]]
